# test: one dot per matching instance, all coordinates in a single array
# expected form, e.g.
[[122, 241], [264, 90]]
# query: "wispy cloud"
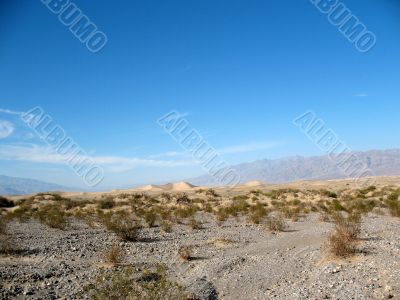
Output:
[[10, 112], [236, 149], [43, 154]]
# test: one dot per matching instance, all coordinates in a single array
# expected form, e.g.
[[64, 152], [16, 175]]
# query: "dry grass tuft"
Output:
[[115, 255], [342, 242], [185, 253], [166, 226]]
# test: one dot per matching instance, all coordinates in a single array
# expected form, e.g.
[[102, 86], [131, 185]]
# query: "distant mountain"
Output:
[[21, 186], [381, 162]]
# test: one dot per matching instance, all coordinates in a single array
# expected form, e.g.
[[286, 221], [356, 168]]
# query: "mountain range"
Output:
[[20, 186], [283, 170], [289, 169]]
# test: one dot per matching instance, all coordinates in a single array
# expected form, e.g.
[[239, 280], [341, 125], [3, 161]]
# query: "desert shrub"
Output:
[[185, 253], [239, 206], [336, 206], [3, 225], [212, 193], [126, 284], [106, 203], [276, 223], [240, 198], [342, 242], [185, 212], [257, 213], [5, 203], [150, 217], [361, 206], [328, 193], [221, 215], [208, 208], [21, 214], [166, 226], [393, 206], [291, 213], [194, 224], [166, 196], [126, 228], [115, 255], [6, 244], [52, 216], [164, 213], [183, 198]]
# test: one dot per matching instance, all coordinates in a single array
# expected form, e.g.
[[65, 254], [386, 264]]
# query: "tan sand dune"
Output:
[[178, 186], [150, 188], [253, 183]]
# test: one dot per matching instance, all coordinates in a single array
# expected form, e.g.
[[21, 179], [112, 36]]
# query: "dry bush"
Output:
[[126, 284], [393, 206], [185, 253], [106, 203], [212, 193], [194, 224], [185, 213], [342, 242], [126, 228], [166, 226], [6, 244], [3, 225], [5, 203], [257, 213], [150, 217], [52, 216], [221, 216], [115, 255], [276, 223]]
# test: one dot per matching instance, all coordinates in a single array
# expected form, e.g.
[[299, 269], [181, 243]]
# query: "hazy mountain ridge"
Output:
[[284, 170], [19, 186]]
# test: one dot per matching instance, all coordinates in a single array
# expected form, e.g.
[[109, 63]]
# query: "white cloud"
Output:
[[243, 148], [10, 112], [43, 154], [6, 129]]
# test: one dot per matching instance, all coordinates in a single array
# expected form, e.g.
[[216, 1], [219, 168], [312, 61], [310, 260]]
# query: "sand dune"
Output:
[[170, 187]]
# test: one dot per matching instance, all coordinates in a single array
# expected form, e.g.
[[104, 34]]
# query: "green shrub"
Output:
[[126, 228], [52, 216], [126, 284]]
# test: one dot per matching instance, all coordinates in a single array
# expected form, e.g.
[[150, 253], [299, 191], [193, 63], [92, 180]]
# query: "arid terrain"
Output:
[[305, 240]]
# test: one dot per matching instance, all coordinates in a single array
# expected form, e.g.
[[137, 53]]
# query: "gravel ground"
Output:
[[233, 261]]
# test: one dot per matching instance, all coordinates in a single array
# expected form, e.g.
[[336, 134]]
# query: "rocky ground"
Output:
[[233, 261]]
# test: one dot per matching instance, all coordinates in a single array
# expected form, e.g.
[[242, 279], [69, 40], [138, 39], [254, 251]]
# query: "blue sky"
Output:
[[240, 71]]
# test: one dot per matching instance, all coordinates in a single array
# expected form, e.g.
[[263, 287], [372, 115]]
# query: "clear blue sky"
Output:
[[239, 70]]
